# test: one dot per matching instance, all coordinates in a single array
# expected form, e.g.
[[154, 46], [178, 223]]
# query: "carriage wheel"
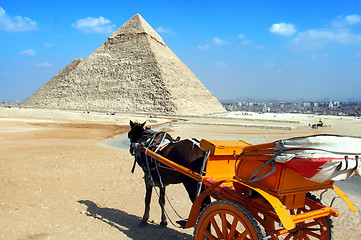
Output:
[[319, 228], [226, 220]]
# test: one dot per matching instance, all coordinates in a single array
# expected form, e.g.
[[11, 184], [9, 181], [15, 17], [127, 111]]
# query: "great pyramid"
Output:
[[133, 71]]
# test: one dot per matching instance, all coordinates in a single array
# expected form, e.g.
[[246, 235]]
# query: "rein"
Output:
[[148, 144], [147, 140]]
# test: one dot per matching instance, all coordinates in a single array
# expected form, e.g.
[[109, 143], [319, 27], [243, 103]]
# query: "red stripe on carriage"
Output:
[[210, 180], [222, 187], [307, 167]]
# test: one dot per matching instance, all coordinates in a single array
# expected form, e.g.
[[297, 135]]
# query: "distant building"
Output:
[[266, 109]]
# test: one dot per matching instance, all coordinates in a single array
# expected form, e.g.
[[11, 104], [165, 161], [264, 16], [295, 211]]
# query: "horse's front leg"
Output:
[[162, 204], [148, 196]]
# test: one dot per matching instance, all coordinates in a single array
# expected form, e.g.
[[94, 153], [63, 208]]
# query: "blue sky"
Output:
[[265, 50]]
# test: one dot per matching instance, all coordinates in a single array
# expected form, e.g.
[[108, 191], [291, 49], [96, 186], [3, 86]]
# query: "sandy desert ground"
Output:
[[64, 176]]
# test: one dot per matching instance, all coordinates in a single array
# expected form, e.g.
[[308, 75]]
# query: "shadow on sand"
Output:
[[131, 224]]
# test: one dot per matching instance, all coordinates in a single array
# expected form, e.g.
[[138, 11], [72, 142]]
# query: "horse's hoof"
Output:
[[163, 224], [143, 223]]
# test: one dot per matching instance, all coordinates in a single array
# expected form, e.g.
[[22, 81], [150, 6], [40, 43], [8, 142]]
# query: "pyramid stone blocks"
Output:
[[133, 71]]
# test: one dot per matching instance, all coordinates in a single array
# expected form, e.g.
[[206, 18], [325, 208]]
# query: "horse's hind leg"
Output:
[[162, 204], [148, 196]]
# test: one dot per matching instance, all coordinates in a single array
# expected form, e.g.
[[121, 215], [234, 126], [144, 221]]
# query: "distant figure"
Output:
[[319, 124]]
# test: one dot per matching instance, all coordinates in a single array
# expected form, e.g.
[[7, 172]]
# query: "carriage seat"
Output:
[[222, 158]]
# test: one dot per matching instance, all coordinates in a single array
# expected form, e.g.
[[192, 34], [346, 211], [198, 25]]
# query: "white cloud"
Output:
[[204, 47], [221, 64], [339, 33], [286, 29], [16, 24], [261, 47], [250, 43], [29, 52], [161, 29], [353, 19], [270, 65], [241, 36], [318, 38], [43, 64], [247, 42], [314, 57], [99, 25], [215, 41], [342, 21], [48, 45], [219, 41]]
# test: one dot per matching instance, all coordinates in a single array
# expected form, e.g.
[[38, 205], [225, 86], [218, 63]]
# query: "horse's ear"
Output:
[[143, 123], [131, 124]]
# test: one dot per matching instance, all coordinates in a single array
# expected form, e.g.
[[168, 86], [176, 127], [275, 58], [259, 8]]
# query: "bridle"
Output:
[[150, 140]]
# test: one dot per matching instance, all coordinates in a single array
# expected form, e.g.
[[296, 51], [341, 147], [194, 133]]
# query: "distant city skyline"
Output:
[[321, 100], [315, 108], [262, 50]]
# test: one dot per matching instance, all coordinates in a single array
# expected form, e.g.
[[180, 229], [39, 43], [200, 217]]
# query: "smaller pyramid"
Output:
[[133, 71]]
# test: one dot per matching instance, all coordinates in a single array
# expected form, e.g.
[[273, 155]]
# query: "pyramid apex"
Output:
[[137, 24]]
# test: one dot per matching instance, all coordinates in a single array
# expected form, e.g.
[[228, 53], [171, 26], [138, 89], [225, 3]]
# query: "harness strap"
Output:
[[133, 168], [356, 158], [270, 162], [202, 172]]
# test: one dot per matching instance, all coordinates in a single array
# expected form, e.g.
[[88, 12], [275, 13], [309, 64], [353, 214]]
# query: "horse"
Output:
[[183, 152]]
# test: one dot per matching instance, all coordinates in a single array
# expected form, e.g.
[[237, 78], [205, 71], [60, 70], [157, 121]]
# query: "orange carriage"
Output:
[[257, 197]]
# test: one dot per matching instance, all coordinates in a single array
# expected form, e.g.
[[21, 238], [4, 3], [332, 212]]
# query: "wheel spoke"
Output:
[[224, 219], [242, 236], [318, 228], [288, 237], [233, 229], [313, 234], [311, 224], [301, 210], [216, 228], [306, 237], [209, 235], [236, 233], [224, 225]]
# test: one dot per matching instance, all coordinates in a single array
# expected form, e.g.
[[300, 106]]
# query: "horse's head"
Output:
[[136, 131], [135, 135]]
